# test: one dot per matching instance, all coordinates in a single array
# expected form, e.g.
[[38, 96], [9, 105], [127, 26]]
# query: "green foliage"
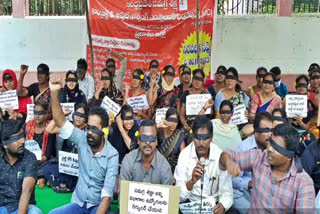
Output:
[[57, 7], [5, 7]]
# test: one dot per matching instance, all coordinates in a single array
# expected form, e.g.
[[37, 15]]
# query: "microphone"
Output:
[[203, 162]]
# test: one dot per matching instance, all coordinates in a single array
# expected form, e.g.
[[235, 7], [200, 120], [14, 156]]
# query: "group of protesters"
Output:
[[269, 164]]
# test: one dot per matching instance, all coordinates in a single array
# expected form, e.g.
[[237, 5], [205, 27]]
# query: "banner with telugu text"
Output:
[[142, 30]]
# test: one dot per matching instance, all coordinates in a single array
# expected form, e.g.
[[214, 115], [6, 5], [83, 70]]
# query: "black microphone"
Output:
[[203, 162]]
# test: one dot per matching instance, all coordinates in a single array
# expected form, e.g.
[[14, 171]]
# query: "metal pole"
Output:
[[197, 24], [90, 42]]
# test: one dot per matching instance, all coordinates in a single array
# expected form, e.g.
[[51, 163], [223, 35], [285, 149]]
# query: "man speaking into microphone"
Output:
[[198, 174]]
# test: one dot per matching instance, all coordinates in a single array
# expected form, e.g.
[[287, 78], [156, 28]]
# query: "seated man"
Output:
[[18, 171], [217, 185], [242, 184], [98, 160], [279, 184], [146, 164]]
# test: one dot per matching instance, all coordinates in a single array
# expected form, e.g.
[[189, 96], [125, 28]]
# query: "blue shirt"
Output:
[[240, 183], [97, 172], [282, 90]]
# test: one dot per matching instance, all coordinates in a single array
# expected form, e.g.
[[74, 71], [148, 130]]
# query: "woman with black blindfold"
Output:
[[71, 92], [197, 88], [171, 139], [225, 135], [267, 99], [232, 91], [252, 90], [185, 78], [167, 94], [136, 89], [314, 84]]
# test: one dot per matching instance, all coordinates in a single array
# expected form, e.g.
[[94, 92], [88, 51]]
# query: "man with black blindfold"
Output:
[[203, 179], [39, 90], [98, 160], [146, 164], [18, 168], [279, 184]]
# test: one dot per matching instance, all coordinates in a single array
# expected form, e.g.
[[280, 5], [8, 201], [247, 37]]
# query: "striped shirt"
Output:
[[293, 193]]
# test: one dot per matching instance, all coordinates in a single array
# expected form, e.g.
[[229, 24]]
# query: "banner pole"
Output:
[[197, 24], [90, 42]]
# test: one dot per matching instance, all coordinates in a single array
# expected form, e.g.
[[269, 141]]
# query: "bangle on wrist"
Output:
[[204, 108]]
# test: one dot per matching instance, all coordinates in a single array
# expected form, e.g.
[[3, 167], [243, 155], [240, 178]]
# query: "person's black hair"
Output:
[[182, 66], [167, 67], [147, 123], [223, 68], [138, 70], [72, 72], [313, 66], [153, 61], [108, 71], [198, 70], [272, 75], [110, 60], [83, 106], [99, 111], [275, 70], [125, 109], [261, 69], [234, 71], [226, 103], [282, 112], [171, 111], [82, 64], [302, 76], [186, 67], [202, 121], [44, 106], [264, 115], [314, 71], [290, 135], [43, 67], [10, 127]]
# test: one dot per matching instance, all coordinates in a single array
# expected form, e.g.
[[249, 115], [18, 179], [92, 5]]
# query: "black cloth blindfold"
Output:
[[169, 74], [260, 75], [302, 85], [202, 136], [270, 82], [71, 80], [95, 130], [7, 78], [111, 66], [105, 78], [232, 77], [198, 78], [172, 119], [150, 139], [315, 77], [79, 114], [136, 77], [39, 112], [186, 73], [225, 112], [281, 150], [221, 72], [279, 119], [13, 138], [153, 66], [127, 118], [41, 72], [263, 130]]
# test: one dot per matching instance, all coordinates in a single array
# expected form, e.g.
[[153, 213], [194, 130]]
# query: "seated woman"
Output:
[[185, 78], [9, 82], [136, 89], [314, 84], [108, 88], [252, 90], [171, 139], [71, 92], [197, 88], [63, 183], [279, 116], [36, 130], [267, 99], [167, 94], [225, 135], [231, 92]]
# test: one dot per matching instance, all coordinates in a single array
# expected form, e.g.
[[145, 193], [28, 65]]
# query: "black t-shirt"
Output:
[[11, 179], [116, 140], [33, 89], [50, 150]]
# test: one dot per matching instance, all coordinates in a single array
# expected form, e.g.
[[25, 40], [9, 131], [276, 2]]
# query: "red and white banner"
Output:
[[142, 30]]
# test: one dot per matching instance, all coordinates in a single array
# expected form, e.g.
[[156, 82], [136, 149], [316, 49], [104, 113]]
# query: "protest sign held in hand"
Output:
[[195, 102], [30, 112], [139, 102], [70, 107], [110, 106], [239, 115], [296, 105], [68, 163], [160, 114], [9, 100], [33, 147]]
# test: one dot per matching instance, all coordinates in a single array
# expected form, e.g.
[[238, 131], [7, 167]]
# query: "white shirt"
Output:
[[217, 185], [87, 86]]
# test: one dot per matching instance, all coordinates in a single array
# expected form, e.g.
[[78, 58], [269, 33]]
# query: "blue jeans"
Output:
[[31, 210], [241, 203], [74, 208]]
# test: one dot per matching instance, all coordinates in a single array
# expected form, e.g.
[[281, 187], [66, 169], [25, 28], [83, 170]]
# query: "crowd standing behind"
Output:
[[270, 164]]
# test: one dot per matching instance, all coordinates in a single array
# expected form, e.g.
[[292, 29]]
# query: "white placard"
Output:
[[147, 199], [110, 106], [68, 163], [69, 106], [239, 115], [9, 100], [296, 105], [183, 5], [139, 102], [30, 110], [160, 114], [195, 103], [33, 147], [194, 207]]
